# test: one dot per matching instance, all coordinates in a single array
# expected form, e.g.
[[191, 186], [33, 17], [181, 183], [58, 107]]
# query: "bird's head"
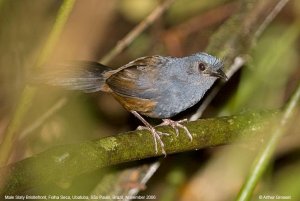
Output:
[[208, 65]]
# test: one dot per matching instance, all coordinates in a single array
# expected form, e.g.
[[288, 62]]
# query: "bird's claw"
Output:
[[156, 136], [177, 124]]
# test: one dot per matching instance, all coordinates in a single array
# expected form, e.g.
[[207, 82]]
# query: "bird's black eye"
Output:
[[201, 66]]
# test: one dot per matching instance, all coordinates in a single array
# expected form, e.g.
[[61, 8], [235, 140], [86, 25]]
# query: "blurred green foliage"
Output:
[[263, 81]]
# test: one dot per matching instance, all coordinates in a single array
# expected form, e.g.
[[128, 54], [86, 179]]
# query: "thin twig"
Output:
[[57, 106], [122, 44], [270, 17], [148, 174]]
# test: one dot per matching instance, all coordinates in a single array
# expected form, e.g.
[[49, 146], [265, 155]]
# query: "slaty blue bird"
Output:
[[154, 86]]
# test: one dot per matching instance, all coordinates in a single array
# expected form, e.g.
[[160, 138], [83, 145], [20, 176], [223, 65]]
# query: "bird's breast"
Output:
[[177, 97]]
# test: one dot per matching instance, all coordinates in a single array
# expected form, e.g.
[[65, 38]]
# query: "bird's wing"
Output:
[[137, 78]]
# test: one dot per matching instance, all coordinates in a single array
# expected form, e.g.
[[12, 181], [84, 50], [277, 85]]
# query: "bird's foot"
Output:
[[156, 136], [177, 124]]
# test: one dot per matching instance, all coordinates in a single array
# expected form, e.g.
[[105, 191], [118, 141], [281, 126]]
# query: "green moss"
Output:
[[109, 144]]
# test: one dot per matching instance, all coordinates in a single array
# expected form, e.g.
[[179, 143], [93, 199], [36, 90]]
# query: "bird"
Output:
[[156, 86]]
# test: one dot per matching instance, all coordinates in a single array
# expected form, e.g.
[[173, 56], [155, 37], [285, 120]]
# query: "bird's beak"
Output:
[[220, 74]]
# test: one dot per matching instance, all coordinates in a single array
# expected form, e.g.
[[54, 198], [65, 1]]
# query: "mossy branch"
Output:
[[68, 161]]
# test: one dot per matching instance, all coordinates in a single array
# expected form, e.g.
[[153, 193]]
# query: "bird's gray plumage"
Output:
[[175, 84], [172, 84], [155, 86]]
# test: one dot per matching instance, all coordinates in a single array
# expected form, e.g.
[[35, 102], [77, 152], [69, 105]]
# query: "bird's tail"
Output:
[[84, 75]]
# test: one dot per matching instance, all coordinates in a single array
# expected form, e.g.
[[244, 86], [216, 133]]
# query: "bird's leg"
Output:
[[176, 125], [156, 134]]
